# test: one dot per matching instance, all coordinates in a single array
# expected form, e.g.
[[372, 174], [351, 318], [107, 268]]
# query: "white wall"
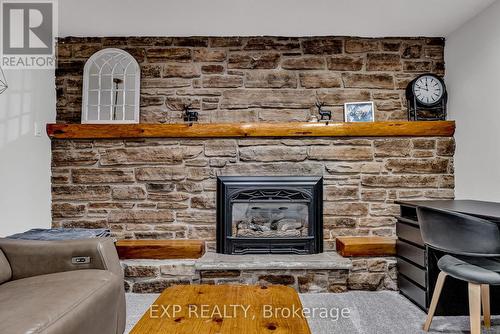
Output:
[[473, 78], [265, 17], [24, 158]]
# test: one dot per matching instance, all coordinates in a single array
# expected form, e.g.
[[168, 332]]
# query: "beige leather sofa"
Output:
[[43, 288]]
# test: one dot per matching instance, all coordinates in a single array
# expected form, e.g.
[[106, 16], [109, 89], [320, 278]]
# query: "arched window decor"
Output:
[[111, 87]]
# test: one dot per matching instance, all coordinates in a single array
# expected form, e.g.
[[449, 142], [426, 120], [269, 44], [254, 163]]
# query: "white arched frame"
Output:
[[111, 88]]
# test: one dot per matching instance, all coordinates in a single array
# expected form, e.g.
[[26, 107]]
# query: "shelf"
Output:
[[366, 246], [160, 249], [238, 130]]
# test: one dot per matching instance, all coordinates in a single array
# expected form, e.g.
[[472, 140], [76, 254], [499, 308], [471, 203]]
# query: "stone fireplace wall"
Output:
[[237, 79], [165, 188]]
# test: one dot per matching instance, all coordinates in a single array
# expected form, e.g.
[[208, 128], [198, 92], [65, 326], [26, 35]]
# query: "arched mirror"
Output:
[[111, 87]]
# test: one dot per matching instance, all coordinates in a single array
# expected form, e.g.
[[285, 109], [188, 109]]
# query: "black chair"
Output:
[[475, 243]]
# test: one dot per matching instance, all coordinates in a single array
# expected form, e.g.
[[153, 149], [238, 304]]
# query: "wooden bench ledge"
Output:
[[366, 246], [160, 249]]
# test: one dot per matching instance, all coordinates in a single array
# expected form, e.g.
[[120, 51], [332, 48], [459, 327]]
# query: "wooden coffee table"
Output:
[[224, 309]]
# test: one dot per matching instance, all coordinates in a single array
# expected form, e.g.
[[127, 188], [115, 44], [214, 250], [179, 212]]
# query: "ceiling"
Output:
[[371, 18]]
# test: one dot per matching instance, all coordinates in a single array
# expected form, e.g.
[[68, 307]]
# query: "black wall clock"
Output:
[[426, 98]]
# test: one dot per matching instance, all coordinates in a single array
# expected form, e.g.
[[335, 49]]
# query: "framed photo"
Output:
[[359, 112]]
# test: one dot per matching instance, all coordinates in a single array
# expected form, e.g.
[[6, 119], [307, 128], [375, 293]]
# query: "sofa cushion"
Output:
[[5, 271], [77, 302]]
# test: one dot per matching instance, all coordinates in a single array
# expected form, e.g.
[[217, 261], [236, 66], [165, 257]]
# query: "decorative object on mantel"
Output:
[[3, 82], [325, 115], [426, 98], [190, 116], [111, 87], [241, 130], [359, 112]]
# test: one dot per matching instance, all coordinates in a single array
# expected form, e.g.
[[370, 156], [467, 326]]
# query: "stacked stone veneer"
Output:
[[236, 79], [165, 188]]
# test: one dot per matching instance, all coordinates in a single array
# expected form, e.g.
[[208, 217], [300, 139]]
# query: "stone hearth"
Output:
[[324, 272], [321, 261]]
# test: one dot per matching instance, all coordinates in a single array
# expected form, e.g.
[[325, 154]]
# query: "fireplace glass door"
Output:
[[269, 215], [270, 220]]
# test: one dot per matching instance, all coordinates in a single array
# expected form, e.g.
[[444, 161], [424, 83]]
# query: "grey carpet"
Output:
[[369, 313], [137, 304]]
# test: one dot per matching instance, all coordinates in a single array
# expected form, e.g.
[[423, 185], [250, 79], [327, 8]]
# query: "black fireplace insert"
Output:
[[260, 215]]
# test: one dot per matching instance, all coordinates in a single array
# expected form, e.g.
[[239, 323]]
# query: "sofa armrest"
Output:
[[32, 257]]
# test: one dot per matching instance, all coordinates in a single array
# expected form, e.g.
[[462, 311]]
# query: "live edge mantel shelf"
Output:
[[238, 130]]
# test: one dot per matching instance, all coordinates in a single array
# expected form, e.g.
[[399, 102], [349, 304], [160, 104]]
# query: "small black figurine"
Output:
[[190, 115], [324, 114], [117, 83]]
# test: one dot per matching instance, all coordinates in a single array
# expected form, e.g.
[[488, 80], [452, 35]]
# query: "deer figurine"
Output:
[[190, 115], [325, 115]]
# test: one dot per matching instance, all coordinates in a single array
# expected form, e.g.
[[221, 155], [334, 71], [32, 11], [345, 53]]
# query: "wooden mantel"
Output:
[[220, 130]]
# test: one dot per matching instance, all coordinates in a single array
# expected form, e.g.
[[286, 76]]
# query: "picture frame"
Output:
[[359, 111]]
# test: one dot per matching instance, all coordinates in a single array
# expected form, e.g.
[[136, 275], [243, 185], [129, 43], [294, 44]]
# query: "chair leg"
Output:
[[435, 299], [485, 300], [475, 308]]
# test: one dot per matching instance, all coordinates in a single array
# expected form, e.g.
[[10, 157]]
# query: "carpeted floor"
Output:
[[369, 313]]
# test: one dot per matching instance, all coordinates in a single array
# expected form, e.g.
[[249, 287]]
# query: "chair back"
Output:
[[459, 234]]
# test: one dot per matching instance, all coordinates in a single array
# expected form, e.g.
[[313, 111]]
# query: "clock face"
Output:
[[428, 89]]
